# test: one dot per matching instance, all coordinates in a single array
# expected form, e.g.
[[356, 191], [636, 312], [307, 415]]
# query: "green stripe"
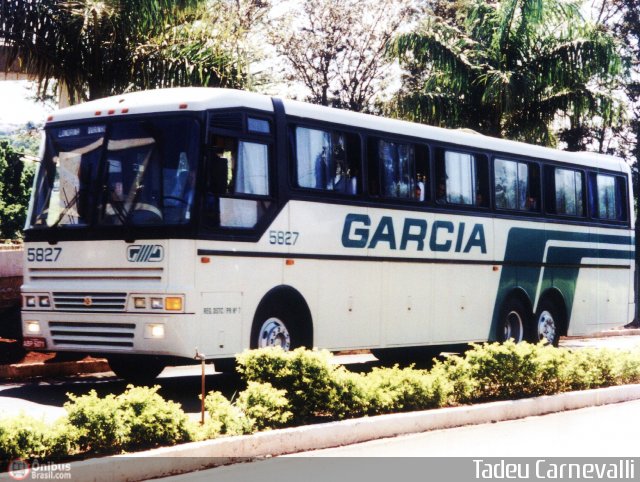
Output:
[[524, 255]]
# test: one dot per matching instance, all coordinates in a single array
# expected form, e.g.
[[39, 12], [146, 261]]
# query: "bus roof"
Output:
[[203, 98]]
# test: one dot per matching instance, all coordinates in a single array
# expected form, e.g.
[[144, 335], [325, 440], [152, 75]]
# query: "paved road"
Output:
[[608, 431]]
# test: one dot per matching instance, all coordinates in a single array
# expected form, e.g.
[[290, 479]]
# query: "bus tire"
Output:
[[513, 321], [278, 324], [547, 323], [136, 369]]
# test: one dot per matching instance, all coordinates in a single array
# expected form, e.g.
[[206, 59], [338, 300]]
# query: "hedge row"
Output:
[[302, 386]]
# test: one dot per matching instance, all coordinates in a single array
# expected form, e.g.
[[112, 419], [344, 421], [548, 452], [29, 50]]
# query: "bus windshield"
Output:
[[138, 172]]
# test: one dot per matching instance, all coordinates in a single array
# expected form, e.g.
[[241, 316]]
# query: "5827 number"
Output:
[[286, 238], [43, 254]]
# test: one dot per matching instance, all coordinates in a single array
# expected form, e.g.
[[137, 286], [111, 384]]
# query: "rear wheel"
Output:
[[513, 320], [547, 324], [136, 369]]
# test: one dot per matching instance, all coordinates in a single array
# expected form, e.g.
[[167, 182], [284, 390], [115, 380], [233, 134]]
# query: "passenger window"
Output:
[[399, 170], [327, 160], [607, 197], [516, 185], [569, 192], [462, 178]]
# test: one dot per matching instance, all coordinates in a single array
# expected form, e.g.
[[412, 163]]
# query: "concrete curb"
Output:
[[199, 455], [55, 369]]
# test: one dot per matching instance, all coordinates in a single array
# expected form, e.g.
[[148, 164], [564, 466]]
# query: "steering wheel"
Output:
[[174, 198]]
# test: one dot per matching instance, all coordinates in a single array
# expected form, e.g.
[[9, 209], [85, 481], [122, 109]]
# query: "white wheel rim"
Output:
[[546, 327], [513, 327], [274, 333]]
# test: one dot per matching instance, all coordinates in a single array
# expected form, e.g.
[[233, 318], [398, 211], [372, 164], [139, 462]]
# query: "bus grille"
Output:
[[92, 275], [95, 302], [92, 335]]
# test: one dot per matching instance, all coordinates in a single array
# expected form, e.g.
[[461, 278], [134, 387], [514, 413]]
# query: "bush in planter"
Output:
[[406, 389], [23, 437], [498, 371], [224, 417], [307, 376], [136, 419], [99, 422], [264, 406], [150, 420]]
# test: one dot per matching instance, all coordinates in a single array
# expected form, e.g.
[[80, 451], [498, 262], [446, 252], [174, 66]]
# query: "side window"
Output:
[[398, 170], [247, 166], [516, 185], [462, 178], [327, 160], [252, 170], [607, 197], [238, 173], [569, 192]]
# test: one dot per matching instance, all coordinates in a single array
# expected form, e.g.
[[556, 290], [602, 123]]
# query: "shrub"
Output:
[[150, 420], [307, 376], [137, 418], [100, 424], [265, 406], [23, 437], [224, 417], [499, 371], [400, 390]]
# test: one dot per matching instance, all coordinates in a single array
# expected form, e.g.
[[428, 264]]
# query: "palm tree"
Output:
[[508, 69], [104, 47]]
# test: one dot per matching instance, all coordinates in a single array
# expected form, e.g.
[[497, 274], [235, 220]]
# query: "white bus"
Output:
[[170, 221]]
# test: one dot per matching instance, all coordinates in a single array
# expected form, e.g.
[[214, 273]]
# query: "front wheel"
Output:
[[274, 333], [547, 324], [139, 370], [279, 325]]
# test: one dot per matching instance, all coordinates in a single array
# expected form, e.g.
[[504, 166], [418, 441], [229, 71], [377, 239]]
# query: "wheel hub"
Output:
[[546, 327], [274, 333], [513, 328]]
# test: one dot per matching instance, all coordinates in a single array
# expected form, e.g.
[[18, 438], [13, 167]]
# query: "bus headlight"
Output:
[[32, 327], [157, 304], [30, 301], [44, 301], [154, 330], [140, 303]]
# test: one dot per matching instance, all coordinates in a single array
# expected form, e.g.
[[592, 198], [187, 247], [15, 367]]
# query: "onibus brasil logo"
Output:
[[20, 469]]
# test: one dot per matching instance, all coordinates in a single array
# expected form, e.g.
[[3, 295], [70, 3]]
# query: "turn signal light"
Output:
[[173, 303]]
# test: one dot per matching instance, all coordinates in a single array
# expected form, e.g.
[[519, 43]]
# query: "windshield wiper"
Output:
[[70, 204]]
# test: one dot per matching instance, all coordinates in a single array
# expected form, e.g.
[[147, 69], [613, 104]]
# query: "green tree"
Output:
[[97, 48], [16, 178], [508, 69]]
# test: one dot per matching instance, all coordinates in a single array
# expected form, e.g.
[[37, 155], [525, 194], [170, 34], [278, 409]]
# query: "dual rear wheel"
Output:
[[518, 324]]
